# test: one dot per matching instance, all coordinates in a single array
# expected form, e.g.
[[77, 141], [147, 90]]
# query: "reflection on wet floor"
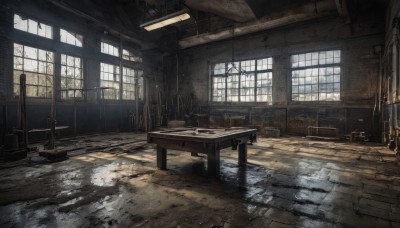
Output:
[[112, 181]]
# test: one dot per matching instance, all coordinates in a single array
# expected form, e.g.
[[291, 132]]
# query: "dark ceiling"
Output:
[[208, 16]]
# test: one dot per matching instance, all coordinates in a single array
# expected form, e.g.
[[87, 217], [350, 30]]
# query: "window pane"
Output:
[[32, 26], [219, 68], [71, 38], [128, 83], [247, 87], [218, 89], [71, 77], [248, 65], [232, 88], [127, 55], [109, 77], [264, 64], [109, 49], [27, 61]]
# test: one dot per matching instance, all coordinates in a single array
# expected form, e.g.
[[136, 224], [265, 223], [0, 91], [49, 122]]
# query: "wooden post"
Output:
[[242, 154], [161, 158]]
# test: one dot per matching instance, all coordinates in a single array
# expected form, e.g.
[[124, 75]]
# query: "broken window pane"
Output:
[[32, 26], [128, 55]]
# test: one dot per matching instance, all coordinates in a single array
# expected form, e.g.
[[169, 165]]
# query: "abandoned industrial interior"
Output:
[[200, 113]]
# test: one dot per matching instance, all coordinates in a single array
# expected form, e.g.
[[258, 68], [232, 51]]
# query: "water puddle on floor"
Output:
[[104, 175]]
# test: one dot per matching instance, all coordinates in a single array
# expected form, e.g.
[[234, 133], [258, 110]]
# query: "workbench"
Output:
[[203, 141]]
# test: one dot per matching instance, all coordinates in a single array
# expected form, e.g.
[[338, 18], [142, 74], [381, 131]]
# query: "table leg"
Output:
[[161, 158], [242, 154], [213, 163]]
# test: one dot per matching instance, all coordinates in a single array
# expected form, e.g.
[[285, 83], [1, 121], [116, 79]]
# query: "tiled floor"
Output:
[[111, 181]]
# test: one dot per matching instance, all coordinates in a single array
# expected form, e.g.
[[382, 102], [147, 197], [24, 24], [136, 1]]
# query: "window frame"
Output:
[[38, 74], [39, 24], [112, 44], [132, 57], [83, 78], [135, 82], [74, 34], [255, 75], [317, 67], [115, 74]]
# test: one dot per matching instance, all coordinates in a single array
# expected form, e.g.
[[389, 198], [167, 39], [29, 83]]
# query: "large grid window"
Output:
[[38, 66], [71, 77], [110, 78], [316, 76], [71, 38], [128, 83], [32, 26], [245, 81], [109, 49]]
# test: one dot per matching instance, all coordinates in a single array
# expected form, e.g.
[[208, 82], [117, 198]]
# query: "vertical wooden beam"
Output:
[[242, 154], [161, 158], [213, 161]]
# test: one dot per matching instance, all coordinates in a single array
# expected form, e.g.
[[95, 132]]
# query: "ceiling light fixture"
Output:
[[166, 20]]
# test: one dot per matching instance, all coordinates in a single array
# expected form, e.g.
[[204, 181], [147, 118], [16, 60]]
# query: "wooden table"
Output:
[[204, 141]]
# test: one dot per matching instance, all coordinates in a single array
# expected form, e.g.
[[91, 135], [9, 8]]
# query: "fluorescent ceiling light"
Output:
[[166, 20]]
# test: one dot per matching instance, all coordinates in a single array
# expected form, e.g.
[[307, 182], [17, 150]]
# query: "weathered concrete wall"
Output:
[[92, 115], [359, 79]]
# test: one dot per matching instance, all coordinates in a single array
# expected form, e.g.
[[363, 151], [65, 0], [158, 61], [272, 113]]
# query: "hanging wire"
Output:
[[233, 65]]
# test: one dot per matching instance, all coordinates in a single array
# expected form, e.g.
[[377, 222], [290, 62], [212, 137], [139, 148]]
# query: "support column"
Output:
[[242, 148], [161, 158]]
